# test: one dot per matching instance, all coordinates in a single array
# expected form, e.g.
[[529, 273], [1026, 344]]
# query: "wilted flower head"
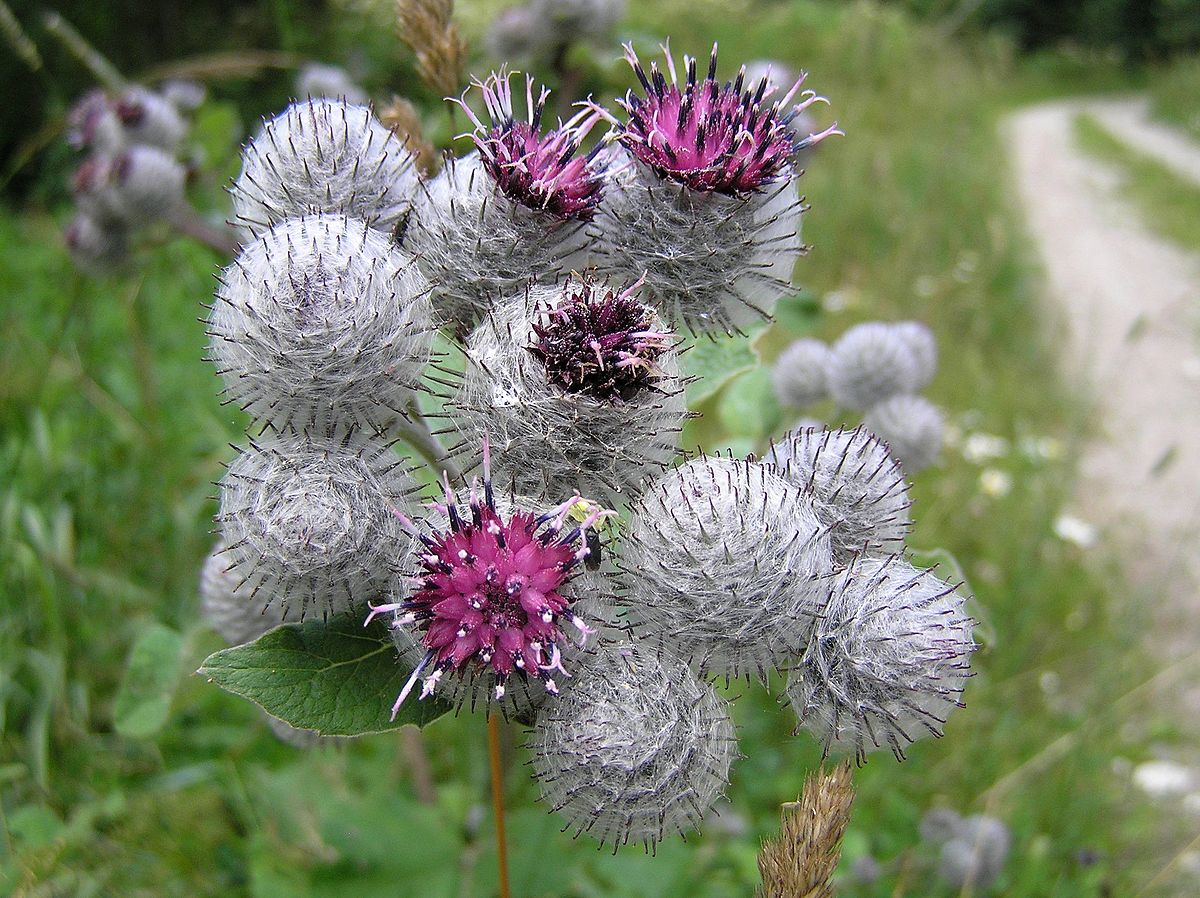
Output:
[[309, 521], [541, 171], [323, 155], [913, 428], [322, 317], [709, 136], [580, 388], [488, 591], [726, 564], [637, 748], [887, 661], [856, 486]]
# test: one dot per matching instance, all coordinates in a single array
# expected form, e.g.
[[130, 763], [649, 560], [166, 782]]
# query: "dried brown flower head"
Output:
[[800, 861], [426, 26]]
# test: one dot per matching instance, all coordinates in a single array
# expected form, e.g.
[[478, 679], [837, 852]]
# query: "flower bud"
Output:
[[324, 155], [725, 564], [92, 124], [149, 118], [310, 521], [322, 318], [580, 388], [913, 429], [183, 93], [799, 373], [857, 488], [96, 244], [974, 858], [870, 363], [148, 184], [887, 661], [940, 825], [228, 607], [923, 345], [637, 749]]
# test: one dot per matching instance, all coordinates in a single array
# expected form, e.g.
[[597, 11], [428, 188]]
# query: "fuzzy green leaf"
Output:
[[336, 677], [148, 685], [714, 362]]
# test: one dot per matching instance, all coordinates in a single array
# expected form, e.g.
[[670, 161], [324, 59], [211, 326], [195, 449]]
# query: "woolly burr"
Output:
[[870, 363], [913, 428], [799, 373]]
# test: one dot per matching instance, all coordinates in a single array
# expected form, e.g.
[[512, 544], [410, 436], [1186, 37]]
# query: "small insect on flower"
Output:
[[713, 137], [541, 171], [488, 594]]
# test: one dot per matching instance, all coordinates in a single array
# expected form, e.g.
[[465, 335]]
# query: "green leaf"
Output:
[[151, 676], [336, 677], [748, 407], [714, 362]]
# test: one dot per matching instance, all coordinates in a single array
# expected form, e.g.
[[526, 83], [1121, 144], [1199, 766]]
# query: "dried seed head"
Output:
[[150, 118], [427, 27], [870, 363], [913, 428], [579, 386], [713, 137], [322, 318], [726, 564], [799, 373], [323, 155], [310, 522], [486, 597], [857, 488], [539, 171], [923, 346], [727, 259], [887, 661], [476, 244], [404, 120], [637, 749], [96, 244], [330, 82]]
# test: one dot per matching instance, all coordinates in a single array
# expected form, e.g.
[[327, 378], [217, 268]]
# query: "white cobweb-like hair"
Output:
[[726, 564], [887, 661], [550, 440], [637, 749], [322, 317], [857, 488], [712, 262], [309, 521], [323, 155]]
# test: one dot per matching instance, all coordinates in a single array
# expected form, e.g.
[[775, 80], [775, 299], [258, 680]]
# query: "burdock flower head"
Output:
[[728, 138], [540, 170], [579, 384], [488, 603]]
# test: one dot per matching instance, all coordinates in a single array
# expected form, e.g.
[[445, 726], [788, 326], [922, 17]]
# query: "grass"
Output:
[[1168, 203], [1174, 90], [112, 435]]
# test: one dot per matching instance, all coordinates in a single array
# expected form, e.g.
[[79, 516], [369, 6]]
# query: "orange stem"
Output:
[[493, 726]]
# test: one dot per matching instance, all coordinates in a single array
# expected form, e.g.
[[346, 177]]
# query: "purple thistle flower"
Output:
[[489, 591], [599, 341], [713, 137], [540, 171]]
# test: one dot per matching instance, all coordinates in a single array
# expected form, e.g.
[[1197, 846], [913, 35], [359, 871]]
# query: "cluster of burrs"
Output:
[[562, 276], [134, 175], [878, 369]]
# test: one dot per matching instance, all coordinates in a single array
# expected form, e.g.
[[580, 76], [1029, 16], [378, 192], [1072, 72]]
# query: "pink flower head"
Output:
[[709, 136], [489, 593], [540, 171], [599, 341]]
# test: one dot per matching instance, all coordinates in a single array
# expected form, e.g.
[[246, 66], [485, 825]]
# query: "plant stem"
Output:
[[418, 765], [185, 219], [493, 725], [91, 58]]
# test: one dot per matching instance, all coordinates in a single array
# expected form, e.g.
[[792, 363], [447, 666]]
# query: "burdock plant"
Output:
[[573, 569]]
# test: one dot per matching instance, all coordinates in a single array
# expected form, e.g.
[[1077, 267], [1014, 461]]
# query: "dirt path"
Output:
[[1131, 308], [1128, 119]]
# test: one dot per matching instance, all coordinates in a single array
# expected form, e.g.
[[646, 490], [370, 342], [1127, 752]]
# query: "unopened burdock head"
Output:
[[870, 363], [887, 661], [725, 563], [913, 428], [639, 748], [323, 155], [322, 318], [799, 374]]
